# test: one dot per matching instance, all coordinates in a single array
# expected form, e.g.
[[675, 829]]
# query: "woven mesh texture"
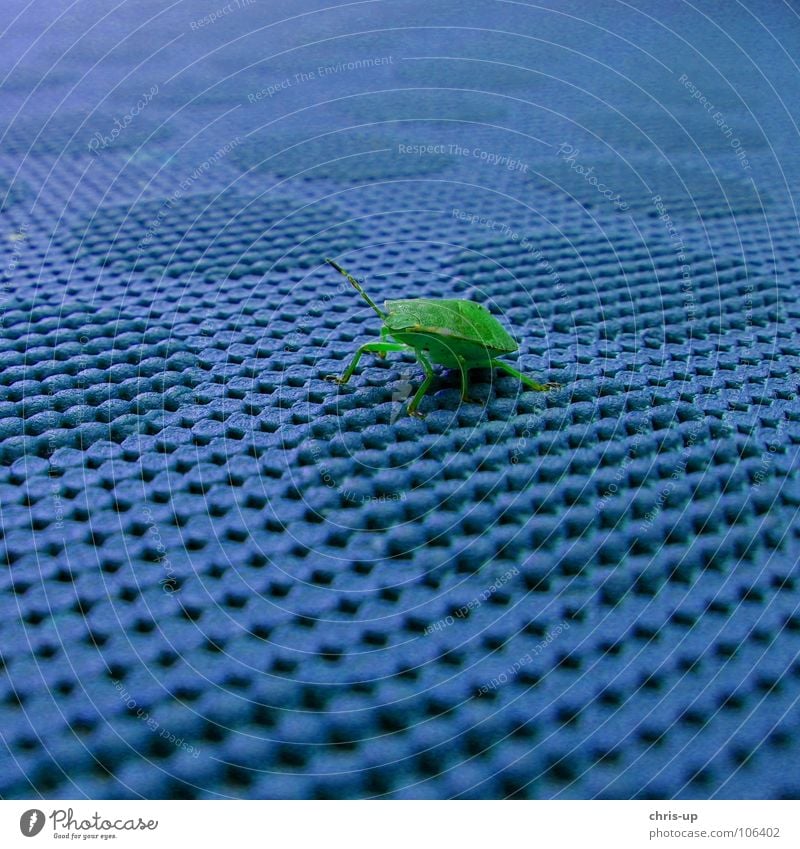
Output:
[[222, 576]]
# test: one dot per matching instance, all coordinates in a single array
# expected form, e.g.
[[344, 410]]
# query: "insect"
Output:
[[453, 333]]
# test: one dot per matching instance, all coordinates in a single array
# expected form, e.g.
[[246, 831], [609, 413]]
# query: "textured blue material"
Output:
[[222, 576]]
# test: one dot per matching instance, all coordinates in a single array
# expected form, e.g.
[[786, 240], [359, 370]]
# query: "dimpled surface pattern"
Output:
[[223, 577]]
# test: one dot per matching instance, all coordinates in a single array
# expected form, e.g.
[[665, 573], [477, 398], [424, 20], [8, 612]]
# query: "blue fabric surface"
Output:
[[222, 576]]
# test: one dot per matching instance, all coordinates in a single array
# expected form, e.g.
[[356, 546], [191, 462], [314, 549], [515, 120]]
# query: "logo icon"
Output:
[[31, 822]]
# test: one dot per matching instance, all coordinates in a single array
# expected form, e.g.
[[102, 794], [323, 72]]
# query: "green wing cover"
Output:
[[463, 319]]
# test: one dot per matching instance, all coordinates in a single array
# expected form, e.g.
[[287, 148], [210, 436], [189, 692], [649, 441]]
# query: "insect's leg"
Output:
[[464, 383], [420, 394], [382, 354], [464, 371], [539, 387], [380, 348]]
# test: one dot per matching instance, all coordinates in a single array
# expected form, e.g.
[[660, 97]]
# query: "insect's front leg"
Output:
[[420, 393], [380, 348]]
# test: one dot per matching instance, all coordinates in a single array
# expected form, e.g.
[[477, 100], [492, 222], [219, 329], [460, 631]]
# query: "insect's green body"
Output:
[[453, 333]]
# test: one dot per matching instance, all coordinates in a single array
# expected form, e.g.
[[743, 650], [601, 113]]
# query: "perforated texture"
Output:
[[223, 576]]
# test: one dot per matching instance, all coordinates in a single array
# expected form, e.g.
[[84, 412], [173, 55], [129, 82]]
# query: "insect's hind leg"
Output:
[[538, 387], [463, 371], [379, 348], [464, 383], [420, 393]]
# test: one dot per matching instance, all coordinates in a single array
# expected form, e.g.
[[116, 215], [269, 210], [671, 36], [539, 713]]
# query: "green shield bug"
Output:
[[453, 333]]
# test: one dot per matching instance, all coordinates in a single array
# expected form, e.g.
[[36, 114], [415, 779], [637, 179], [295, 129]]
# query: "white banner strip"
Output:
[[400, 825]]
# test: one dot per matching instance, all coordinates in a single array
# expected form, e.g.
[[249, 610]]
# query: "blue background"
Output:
[[221, 576]]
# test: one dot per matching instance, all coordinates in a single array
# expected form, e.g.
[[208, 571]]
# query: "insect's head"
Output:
[[357, 286]]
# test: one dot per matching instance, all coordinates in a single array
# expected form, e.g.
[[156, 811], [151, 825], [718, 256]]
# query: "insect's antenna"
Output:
[[357, 286]]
